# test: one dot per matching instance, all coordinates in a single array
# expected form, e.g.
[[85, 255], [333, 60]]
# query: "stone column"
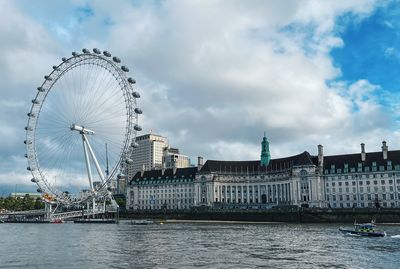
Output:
[[225, 193]]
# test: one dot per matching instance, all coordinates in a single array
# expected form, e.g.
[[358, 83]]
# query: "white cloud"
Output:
[[229, 71], [213, 75], [235, 151]]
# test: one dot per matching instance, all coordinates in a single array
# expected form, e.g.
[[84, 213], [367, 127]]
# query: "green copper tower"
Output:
[[265, 155]]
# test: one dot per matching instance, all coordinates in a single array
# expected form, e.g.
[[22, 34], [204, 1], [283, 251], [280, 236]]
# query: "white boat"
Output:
[[364, 229]]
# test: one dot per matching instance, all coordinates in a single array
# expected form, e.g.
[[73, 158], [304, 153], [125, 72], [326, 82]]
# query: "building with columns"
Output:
[[339, 181], [292, 180]]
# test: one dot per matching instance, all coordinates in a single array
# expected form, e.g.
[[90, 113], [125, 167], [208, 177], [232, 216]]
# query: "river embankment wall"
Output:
[[300, 215]]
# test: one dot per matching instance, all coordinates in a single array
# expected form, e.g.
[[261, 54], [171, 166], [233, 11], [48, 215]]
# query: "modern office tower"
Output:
[[148, 155]]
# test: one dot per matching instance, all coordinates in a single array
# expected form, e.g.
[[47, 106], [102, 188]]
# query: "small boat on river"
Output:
[[142, 222], [56, 221], [364, 229]]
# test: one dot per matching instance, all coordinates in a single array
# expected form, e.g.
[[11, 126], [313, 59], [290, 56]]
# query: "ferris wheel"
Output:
[[81, 126]]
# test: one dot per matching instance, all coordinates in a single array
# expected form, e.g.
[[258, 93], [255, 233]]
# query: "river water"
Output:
[[193, 245]]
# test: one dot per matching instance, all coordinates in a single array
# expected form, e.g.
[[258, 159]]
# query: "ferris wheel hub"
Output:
[[81, 129]]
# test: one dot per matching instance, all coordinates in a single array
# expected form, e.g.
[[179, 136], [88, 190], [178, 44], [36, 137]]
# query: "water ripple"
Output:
[[192, 246]]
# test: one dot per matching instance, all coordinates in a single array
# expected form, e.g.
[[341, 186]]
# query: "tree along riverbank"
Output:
[[298, 215], [20, 204]]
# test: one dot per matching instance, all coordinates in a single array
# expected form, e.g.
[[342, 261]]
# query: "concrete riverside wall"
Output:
[[295, 216]]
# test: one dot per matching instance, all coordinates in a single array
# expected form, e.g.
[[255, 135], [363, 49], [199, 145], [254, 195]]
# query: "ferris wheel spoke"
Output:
[[54, 149], [53, 152], [97, 104]]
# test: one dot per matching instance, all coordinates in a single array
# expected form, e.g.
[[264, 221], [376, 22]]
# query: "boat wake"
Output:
[[395, 236], [354, 235]]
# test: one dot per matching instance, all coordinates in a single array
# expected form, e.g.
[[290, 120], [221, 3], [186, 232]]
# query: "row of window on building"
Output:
[[361, 168], [361, 182]]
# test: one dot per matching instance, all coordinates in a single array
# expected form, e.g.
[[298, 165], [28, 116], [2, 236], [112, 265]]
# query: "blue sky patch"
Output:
[[371, 49], [83, 13]]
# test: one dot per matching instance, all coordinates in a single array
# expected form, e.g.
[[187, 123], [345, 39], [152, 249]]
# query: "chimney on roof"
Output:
[[174, 168], [163, 169], [363, 154], [142, 171], [199, 162], [384, 150], [320, 157]]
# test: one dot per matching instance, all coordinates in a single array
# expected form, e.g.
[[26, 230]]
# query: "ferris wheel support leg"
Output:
[[96, 163], [89, 170], [48, 210], [94, 207]]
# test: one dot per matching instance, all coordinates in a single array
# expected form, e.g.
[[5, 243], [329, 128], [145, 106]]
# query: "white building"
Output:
[[237, 184], [340, 181], [162, 189], [148, 155], [363, 179], [172, 158]]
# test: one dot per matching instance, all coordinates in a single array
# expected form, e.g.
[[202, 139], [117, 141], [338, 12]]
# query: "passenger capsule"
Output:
[[26, 155], [120, 176], [36, 102], [138, 111], [136, 94], [63, 59], [129, 161], [48, 78], [54, 67], [131, 81], [39, 190], [134, 145], [27, 142], [106, 53], [124, 68], [74, 54], [137, 128], [41, 89], [97, 51], [31, 115], [85, 51], [30, 168], [34, 180], [116, 59]]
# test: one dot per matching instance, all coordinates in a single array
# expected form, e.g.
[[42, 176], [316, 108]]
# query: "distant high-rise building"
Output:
[[172, 158], [148, 155]]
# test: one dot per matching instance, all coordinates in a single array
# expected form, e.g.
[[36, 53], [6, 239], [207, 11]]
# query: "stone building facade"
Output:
[[162, 189], [363, 179], [293, 180], [339, 181]]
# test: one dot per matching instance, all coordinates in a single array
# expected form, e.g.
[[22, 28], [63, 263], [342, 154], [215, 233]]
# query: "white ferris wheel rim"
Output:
[[108, 64]]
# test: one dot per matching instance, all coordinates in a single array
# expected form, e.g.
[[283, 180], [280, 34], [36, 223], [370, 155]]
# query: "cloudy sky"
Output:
[[214, 75]]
